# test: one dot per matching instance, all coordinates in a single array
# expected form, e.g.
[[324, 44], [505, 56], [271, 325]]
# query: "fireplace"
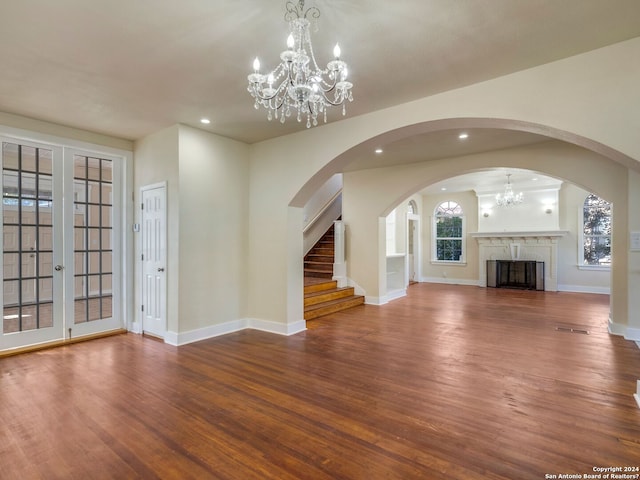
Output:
[[522, 274], [521, 246]]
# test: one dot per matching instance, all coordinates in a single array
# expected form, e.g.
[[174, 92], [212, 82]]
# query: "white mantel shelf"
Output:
[[540, 234]]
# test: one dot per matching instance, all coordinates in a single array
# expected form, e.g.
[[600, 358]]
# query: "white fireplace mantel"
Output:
[[541, 246]]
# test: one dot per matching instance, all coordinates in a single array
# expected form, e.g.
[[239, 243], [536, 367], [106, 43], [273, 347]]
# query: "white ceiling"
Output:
[[128, 68]]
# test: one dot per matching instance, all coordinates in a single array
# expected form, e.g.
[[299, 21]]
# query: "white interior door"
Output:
[[154, 257], [32, 206]]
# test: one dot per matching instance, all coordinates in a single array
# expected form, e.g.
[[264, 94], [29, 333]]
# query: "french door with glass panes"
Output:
[[59, 243]]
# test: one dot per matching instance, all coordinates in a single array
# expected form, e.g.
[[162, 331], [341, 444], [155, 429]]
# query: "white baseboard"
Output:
[[632, 334], [275, 327], [390, 296], [136, 327], [450, 281], [369, 300], [584, 289], [616, 328], [184, 338]]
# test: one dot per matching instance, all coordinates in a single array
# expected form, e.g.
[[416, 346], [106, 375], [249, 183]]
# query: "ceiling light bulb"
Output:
[[463, 136], [336, 51], [256, 65], [205, 121], [290, 41], [378, 150]]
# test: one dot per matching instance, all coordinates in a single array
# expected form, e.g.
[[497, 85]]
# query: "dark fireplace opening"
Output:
[[522, 274]]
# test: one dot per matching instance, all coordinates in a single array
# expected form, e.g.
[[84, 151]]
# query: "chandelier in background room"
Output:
[[509, 198], [298, 85]]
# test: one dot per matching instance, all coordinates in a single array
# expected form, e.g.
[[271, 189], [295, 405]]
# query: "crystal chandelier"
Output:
[[509, 198], [298, 83]]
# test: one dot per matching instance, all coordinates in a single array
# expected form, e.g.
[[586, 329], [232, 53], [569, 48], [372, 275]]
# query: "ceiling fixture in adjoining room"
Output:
[[509, 198], [298, 83]]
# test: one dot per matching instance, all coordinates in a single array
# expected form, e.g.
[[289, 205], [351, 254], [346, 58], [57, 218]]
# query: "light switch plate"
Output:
[[635, 241]]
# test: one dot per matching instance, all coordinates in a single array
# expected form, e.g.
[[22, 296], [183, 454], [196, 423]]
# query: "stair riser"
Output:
[[316, 299], [319, 258], [323, 267], [318, 287], [327, 275], [333, 308], [322, 251]]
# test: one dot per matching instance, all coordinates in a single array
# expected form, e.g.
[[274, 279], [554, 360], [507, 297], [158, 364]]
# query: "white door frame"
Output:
[[158, 306]]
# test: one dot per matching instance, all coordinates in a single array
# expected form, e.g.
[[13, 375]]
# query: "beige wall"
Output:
[[207, 223], [214, 213], [155, 161], [633, 260]]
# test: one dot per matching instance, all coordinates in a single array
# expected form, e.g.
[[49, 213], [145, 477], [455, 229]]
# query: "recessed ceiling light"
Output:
[[378, 150], [534, 179], [463, 136], [205, 121], [443, 188]]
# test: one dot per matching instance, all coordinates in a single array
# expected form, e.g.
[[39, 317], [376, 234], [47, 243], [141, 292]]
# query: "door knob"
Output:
[[161, 269], [58, 268]]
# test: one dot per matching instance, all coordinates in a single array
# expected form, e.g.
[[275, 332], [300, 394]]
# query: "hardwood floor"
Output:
[[450, 382]]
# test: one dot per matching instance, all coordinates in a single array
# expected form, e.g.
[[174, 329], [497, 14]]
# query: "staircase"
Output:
[[321, 294], [318, 262]]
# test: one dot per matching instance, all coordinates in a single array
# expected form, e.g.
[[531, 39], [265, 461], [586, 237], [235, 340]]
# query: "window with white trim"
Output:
[[596, 232], [448, 228]]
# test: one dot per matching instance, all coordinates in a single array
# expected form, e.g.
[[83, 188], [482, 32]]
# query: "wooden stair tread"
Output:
[[322, 296], [314, 284], [332, 306]]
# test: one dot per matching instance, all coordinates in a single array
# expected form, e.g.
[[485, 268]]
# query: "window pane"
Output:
[[46, 290], [94, 309], [597, 250], [45, 263], [28, 158], [597, 231], [449, 227], [10, 155], [449, 250], [80, 314]]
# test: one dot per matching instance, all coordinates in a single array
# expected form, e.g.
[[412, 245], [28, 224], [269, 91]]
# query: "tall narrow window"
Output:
[[448, 226], [596, 232]]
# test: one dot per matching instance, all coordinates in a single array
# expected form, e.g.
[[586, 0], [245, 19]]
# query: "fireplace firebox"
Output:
[[522, 274]]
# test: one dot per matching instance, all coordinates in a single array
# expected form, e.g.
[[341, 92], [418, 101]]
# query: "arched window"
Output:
[[448, 228], [596, 232]]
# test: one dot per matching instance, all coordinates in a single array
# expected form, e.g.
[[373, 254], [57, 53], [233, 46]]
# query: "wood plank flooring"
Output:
[[451, 382]]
